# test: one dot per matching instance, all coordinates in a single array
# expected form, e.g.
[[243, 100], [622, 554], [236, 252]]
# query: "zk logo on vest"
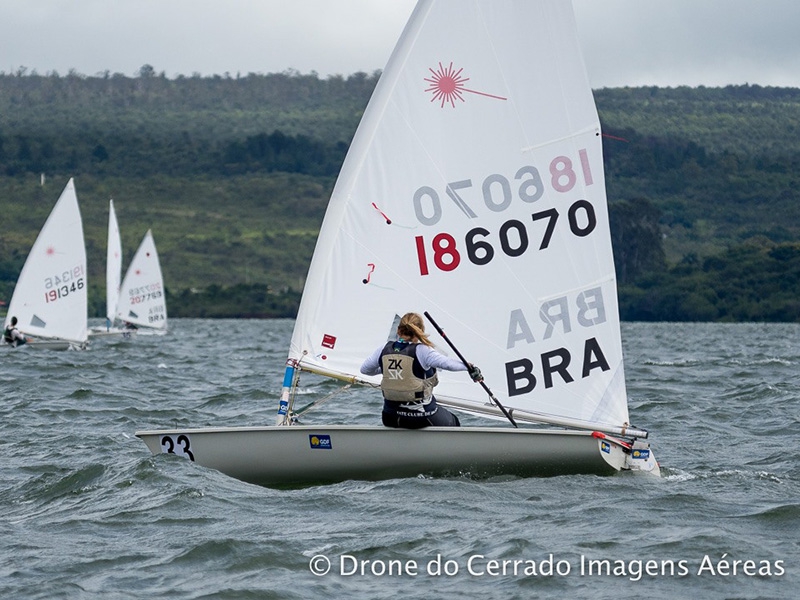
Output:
[[395, 370]]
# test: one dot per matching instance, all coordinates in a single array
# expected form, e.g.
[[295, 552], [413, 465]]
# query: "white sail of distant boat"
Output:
[[113, 277], [473, 190], [50, 299], [113, 265], [142, 301]]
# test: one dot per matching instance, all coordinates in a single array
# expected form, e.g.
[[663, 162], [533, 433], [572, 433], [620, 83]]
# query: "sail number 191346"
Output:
[[513, 237], [63, 284]]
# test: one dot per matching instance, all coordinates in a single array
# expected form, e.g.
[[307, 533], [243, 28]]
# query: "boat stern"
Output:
[[641, 459], [624, 455]]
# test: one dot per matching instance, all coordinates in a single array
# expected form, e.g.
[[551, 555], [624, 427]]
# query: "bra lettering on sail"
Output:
[[447, 85]]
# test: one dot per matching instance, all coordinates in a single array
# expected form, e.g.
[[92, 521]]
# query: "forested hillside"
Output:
[[233, 175]]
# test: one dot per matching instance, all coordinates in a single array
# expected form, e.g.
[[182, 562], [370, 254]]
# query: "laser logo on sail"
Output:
[[447, 86]]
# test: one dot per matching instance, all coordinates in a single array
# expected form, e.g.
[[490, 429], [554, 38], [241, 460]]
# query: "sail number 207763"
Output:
[[498, 194]]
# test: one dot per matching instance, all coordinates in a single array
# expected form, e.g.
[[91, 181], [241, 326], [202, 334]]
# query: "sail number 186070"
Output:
[[513, 237]]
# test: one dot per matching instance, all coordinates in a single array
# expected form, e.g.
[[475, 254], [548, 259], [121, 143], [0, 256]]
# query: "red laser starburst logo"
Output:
[[447, 86]]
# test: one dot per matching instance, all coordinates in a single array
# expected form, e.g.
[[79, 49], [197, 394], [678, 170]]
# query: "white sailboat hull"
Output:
[[114, 332], [304, 454], [150, 331], [54, 344], [51, 344]]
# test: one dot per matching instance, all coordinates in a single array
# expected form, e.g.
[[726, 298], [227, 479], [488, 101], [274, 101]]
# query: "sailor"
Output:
[[12, 335], [408, 366]]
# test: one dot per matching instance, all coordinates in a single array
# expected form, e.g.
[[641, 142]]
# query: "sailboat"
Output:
[[113, 277], [142, 302], [50, 299], [474, 192]]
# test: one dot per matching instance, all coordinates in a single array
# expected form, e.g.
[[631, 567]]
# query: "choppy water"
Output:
[[86, 512]]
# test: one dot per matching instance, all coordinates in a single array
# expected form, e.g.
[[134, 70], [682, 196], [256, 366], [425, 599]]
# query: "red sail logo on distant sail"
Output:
[[447, 86]]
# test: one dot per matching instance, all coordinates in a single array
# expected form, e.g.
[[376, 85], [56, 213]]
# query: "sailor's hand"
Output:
[[475, 373]]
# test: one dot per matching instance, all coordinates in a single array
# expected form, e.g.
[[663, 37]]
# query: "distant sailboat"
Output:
[[113, 277], [50, 299], [142, 302], [473, 189]]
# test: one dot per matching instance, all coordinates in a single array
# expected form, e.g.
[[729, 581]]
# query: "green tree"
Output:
[[637, 239]]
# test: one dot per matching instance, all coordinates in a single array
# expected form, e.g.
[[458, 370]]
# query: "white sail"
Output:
[[113, 264], [50, 298], [142, 301], [474, 189]]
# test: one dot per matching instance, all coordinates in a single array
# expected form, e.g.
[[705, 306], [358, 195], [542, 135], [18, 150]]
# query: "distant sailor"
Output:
[[408, 366], [12, 335]]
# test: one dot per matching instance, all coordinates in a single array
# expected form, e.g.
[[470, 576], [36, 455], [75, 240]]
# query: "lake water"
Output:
[[87, 512]]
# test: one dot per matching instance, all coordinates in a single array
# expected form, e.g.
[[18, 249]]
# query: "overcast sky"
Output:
[[625, 42]]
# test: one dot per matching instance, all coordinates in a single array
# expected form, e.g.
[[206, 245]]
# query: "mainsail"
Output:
[[474, 189], [142, 300], [50, 298], [113, 264]]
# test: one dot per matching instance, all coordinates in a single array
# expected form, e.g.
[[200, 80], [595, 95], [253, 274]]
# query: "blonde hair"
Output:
[[412, 326]]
